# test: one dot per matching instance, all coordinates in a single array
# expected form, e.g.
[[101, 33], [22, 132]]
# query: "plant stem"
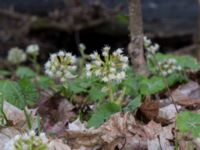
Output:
[[28, 120], [121, 96], [3, 113], [170, 94], [110, 92]]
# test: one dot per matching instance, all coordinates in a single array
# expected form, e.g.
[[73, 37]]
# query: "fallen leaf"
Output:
[[55, 112], [152, 129], [58, 145], [187, 94], [168, 112], [13, 114], [77, 125], [149, 109]]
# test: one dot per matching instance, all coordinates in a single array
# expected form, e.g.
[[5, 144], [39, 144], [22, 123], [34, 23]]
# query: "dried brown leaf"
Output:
[[149, 109]]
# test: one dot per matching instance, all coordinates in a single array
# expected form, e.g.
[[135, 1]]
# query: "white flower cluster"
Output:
[[61, 65], [28, 141], [33, 49], [82, 46], [16, 55], [109, 67], [168, 67], [151, 49]]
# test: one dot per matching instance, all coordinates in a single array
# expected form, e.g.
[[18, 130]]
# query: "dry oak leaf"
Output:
[[149, 109], [187, 94], [109, 135]]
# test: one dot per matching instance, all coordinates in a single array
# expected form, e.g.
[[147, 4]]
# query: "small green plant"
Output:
[[111, 68]]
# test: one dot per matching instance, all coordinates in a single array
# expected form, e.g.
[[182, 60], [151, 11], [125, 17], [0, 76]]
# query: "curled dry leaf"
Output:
[[149, 109]]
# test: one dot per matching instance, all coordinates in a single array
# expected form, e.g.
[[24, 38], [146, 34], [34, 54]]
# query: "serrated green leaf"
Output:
[[44, 82], [175, 78], [188, 122], [19, 93], [11, 92], [28, 91], [75, 87], [25, 72], [134, 104], [132, 85], [96, 94], [151, 85], [102, 113]]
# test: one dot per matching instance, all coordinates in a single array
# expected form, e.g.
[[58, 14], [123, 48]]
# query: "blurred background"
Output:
[[63, 24]]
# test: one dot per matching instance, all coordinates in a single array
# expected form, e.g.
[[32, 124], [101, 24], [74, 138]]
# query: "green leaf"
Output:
[[5, 73], [151, 85], [44, 82], [132, 105], [12, 93], [186, 62], [188, 122], [75, 87], [96, 94], [102, 113], [18, 93], [28, 91], [175, 78], [25, 72], [132, 85]]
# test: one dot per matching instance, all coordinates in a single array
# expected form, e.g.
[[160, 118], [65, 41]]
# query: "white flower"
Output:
[[168, 66], [61, 65], [111, 67], [82, 46], [121, 75], [98, 63], [88, 66], [112, 70], [124, 66], [105, 79], [61, 53], [24, 141], [32, 49], [164, 73], [111, 76], [94, 55], [16, 56], [97, 72], [147, 42], [119, 51], [88, 74], [124, 58], [151, 49]]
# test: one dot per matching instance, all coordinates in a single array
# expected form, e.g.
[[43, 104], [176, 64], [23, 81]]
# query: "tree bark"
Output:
[[135, 48]]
